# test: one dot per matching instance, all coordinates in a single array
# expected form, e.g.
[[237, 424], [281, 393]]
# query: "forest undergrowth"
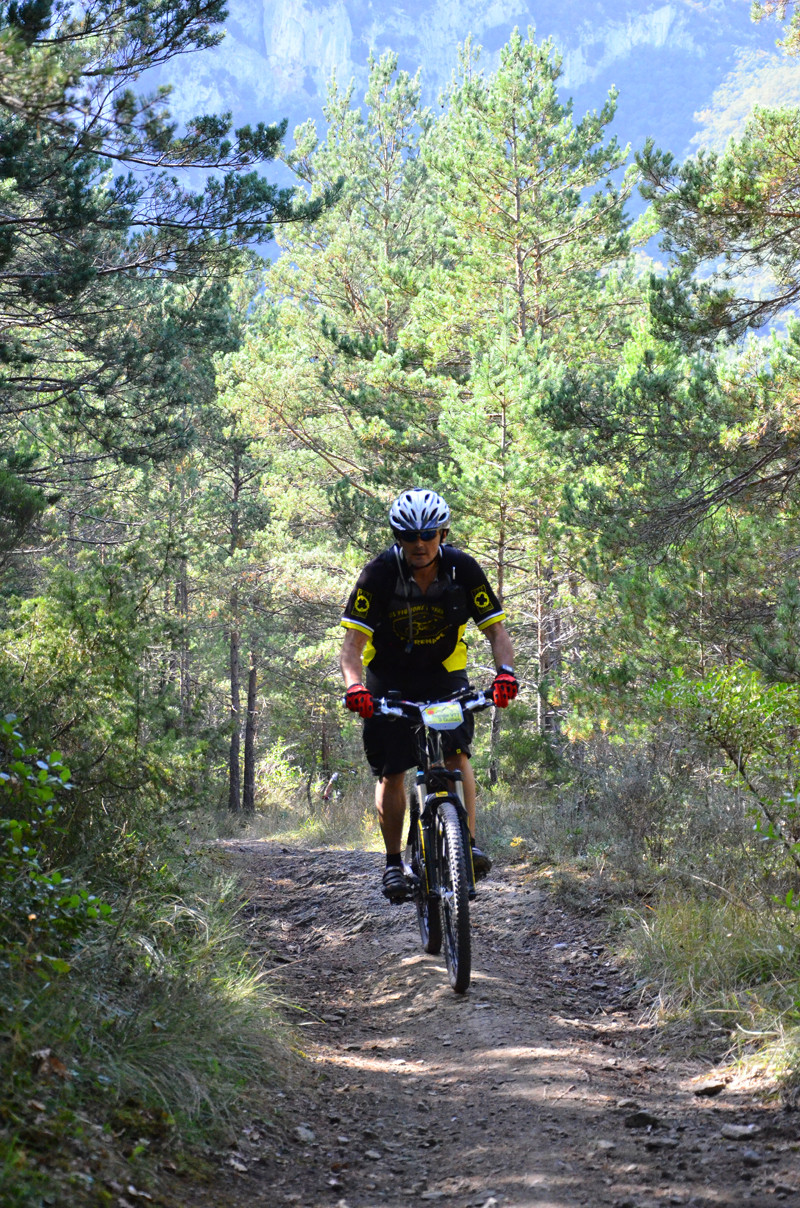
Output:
[[146, 1055], [136, 1029]]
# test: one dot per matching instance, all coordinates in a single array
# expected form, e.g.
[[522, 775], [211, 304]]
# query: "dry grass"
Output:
[[158, 1038], [728, 963]]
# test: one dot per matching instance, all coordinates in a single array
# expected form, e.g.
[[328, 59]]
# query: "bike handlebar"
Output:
[[471, 699]]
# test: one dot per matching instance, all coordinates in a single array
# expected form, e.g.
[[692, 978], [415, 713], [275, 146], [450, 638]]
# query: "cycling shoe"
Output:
[[481, 863], [394, 885]]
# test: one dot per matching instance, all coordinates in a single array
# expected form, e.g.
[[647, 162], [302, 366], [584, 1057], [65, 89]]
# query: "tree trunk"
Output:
[[501, 585], [325, 753], [549, 642], [495, 738], [249, 792], [234, 775], [167, 661], [234, 772], [182, 609]]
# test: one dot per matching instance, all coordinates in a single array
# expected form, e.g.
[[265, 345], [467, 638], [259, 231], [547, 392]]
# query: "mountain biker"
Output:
[[405, 621]]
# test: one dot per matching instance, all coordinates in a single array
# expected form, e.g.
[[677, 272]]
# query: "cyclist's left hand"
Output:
[[504, 688]]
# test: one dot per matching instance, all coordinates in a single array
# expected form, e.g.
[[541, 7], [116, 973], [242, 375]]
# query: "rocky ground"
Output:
[[540, 1088]]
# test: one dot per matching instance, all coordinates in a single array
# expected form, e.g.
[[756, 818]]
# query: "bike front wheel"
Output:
[[451, 861], [428, 917]]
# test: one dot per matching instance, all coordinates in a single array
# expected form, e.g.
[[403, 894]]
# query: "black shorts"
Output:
[[389, 742]]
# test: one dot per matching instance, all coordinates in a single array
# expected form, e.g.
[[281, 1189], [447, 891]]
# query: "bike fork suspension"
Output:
[[458, 785]]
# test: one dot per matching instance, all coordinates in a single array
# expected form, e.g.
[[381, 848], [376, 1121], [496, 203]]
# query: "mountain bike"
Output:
[[442, 880]]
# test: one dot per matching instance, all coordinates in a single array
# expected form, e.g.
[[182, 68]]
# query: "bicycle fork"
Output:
[[427, 805]]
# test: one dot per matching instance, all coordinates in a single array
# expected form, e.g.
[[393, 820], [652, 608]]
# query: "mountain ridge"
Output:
[[668, 60]]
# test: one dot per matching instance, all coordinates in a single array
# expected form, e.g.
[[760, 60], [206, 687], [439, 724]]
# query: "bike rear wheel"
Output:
[[451, 859], [428, 917]]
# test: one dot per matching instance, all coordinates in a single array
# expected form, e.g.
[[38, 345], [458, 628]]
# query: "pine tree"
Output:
[[100, 241], [345, 284], [536, 231], [534, 216]]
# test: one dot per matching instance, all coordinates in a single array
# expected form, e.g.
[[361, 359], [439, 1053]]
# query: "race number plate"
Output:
[[445, 715]]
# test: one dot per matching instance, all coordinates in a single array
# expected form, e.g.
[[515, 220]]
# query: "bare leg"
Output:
[[390, 800], [468, 780]]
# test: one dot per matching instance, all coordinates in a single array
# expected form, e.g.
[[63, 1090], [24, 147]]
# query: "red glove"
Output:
[[504, 687], [358, 700]]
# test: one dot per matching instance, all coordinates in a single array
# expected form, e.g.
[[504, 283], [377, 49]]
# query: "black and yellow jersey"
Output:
[[412, 633]]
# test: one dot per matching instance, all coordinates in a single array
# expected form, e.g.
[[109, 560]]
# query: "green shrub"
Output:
[[754, 725], [41, 910]]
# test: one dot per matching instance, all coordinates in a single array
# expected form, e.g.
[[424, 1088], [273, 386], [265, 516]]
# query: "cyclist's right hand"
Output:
[[359, 700]]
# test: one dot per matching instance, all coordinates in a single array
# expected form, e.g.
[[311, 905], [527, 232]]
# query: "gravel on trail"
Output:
[[542, 1087]]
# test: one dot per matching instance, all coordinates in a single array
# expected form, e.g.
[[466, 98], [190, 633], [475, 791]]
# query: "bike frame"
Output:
[[435, 782]]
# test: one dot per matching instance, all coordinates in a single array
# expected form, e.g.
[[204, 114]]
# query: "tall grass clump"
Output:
[[133, 1022], [187, 1021], [163, 1036], [721, 960]]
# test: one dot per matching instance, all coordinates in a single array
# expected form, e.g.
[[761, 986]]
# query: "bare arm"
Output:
[[350, 657], [502, 649]]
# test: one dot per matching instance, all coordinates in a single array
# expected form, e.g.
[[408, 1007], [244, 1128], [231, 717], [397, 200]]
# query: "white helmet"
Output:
[[417, 510]]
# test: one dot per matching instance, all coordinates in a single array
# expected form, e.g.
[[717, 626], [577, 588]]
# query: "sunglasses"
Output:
[[420, 535]]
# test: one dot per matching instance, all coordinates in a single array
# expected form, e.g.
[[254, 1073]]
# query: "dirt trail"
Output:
[[537, 1089]]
